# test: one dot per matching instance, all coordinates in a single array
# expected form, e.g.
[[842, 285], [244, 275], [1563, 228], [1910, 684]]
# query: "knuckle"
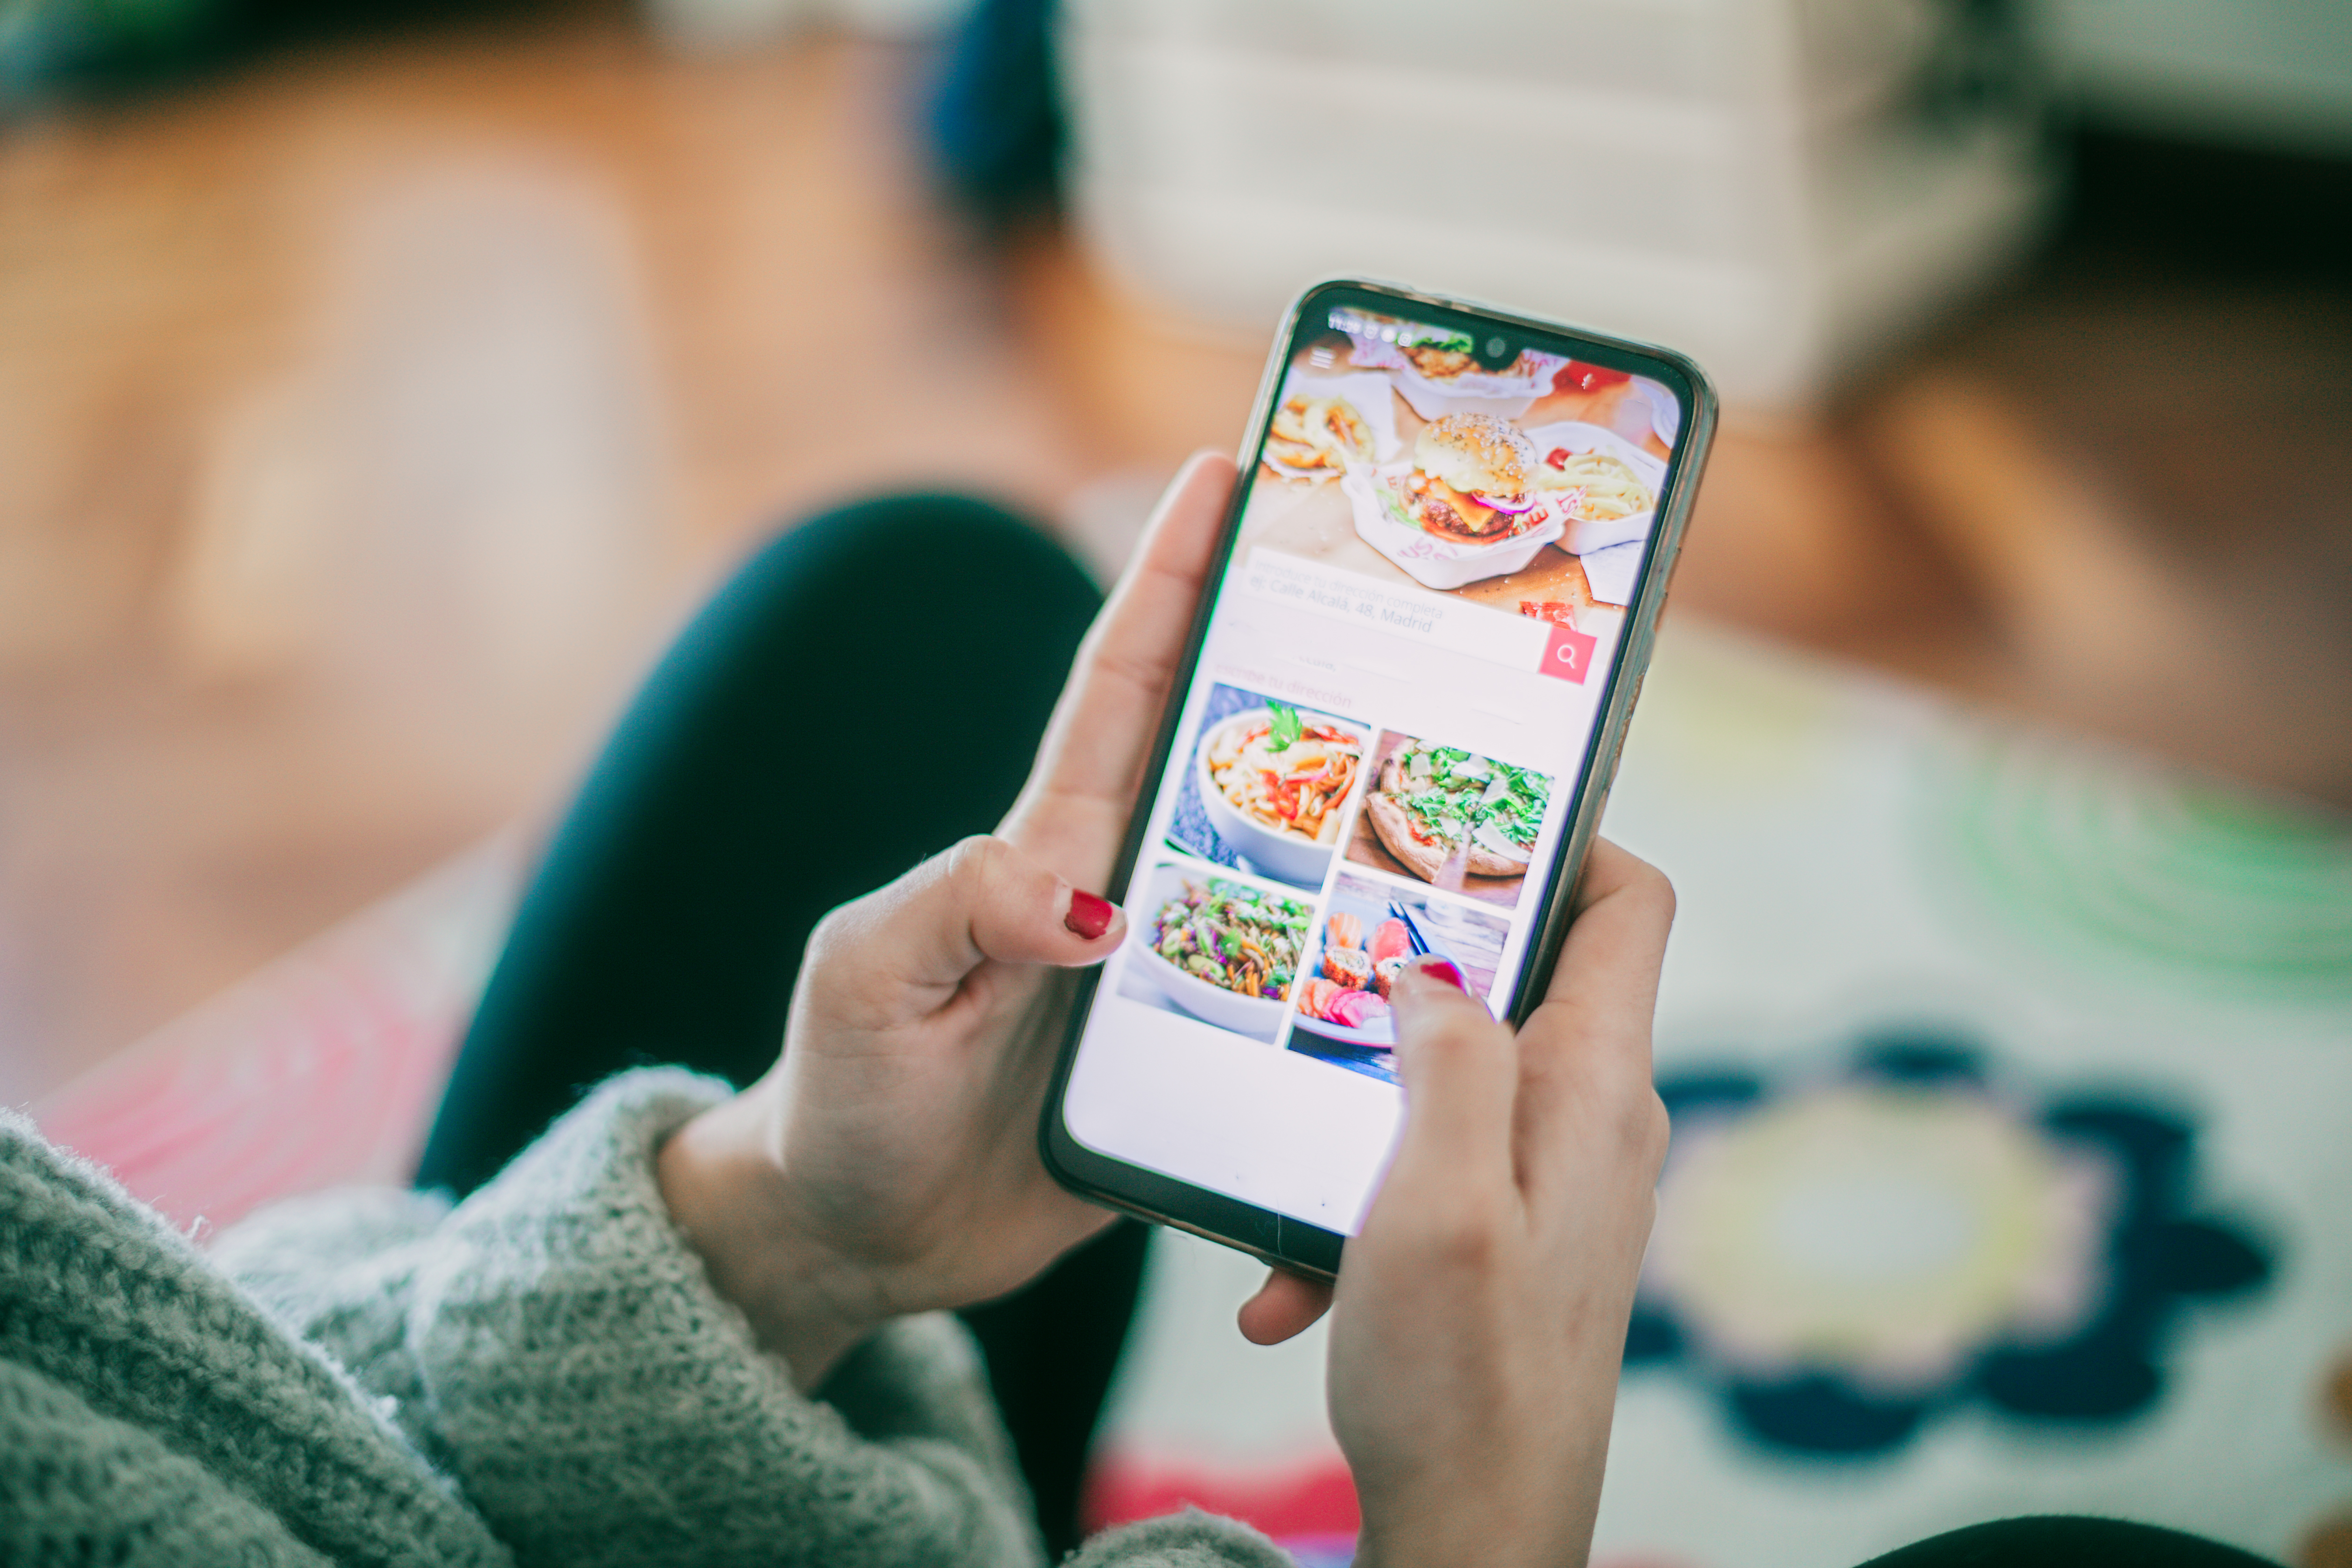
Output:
[[1655, 887], [1643, 1220], [978, 868], [1628, 1090], [833, 933], [1649, 1130], [1464, 1235], [972, 861], [840, 980]]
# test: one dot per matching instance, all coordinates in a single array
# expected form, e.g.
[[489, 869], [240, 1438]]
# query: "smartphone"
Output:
[[1393, 734]]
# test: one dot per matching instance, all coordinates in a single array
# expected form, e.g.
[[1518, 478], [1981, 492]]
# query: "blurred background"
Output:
[[380, 383]]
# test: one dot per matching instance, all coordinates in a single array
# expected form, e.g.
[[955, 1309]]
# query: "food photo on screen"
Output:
[[1266, 784], [1438, 369], [1218, 949], [1369, 932], [1458, 821], [1325, 423], [1505, 475]]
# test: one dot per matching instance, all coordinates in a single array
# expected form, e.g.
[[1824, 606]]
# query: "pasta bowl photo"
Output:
[[1273, 781]]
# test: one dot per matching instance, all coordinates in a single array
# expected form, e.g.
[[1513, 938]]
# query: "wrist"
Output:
[[1530, 1504], [1472, 1538], [726, 1193]]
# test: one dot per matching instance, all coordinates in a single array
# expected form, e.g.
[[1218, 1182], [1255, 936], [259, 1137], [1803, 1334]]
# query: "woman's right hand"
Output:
[[1479, 1319]]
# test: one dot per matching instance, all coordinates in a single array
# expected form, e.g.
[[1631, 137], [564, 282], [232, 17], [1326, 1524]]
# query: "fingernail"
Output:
[[1441, 969], [1089, 916]]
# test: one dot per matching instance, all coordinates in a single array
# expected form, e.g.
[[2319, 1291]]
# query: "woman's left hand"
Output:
[[888, 1163]]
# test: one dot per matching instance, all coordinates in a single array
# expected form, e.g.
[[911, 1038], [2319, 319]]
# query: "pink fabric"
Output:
[[1313, 1502], [322, 1070]]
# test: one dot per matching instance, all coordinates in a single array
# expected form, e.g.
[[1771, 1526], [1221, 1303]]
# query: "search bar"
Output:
[[1416, 615]]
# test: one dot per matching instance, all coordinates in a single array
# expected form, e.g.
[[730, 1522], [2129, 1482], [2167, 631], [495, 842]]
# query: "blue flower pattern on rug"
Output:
[[1822, 1379]]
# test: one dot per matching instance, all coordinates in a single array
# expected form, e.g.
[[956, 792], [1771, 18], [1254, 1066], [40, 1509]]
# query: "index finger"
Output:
[[1077, 802], [1586, 1050], [1635, 905]]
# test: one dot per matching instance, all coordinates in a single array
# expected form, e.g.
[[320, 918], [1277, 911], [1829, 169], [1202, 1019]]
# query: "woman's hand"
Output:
[[1480, 1316], [888, 1163]]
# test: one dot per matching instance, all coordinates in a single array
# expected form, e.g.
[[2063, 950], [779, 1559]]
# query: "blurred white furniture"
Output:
[[721, 26], [1777, 186]]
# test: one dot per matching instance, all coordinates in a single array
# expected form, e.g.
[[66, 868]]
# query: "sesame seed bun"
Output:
[[1478, 454]]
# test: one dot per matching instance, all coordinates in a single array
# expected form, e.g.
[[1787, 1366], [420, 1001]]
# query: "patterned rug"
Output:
[[2013, 1158], [2012, 1164]]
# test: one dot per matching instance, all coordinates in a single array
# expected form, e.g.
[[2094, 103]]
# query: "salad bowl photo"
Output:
[[1314, 760], [1252, 1015], [1223, 951]]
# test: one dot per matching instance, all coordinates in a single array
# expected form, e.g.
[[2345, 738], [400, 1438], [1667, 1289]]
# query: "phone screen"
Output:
[[1403, 668]]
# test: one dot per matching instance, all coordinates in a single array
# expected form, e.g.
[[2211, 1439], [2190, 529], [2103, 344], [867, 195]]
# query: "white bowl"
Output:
[[1432, 561], [1256, 1016], [1478, 391], [1666, 409], [1590, 534], [1433, 404], [1278, 854], [1259, 1017]]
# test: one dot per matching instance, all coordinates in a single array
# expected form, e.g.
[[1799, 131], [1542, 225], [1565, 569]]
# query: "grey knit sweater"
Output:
[[542, 1374]]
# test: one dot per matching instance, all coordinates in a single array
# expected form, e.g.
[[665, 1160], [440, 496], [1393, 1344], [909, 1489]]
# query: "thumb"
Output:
[[1285, 1307], [986, 898], [1460, 1072]]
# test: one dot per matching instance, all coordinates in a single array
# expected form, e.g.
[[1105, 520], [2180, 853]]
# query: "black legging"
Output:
[[2066, 1542], [667, 921], [867, 690]]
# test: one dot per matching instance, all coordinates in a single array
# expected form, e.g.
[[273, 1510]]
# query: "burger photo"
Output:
[[1473, 480], [1469, 503]]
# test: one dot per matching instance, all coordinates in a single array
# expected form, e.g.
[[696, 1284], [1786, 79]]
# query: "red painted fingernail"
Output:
[[1439, 969], [1089, 916]]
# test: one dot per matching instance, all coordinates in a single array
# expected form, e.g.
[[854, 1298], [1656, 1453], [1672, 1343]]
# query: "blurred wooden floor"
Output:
[[368, 416]]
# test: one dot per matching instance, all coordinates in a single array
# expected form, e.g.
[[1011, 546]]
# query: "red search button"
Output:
[[1567, 653]]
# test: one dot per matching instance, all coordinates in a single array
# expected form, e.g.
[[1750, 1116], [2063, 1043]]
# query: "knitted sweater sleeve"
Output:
[[555, 1346]]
